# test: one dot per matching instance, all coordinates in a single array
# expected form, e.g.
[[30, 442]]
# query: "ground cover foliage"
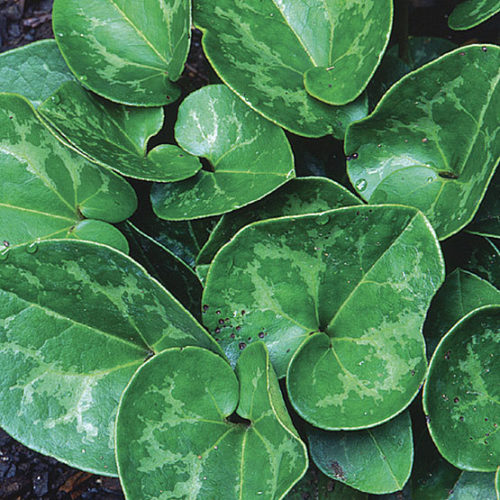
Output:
[[188, 303]]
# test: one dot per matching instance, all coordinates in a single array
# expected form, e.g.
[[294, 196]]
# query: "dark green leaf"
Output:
[[126, 51], [161, 263], [304, 195], [263, 51], [360, 274], [474, 486], [470, 13], [377, 460], [182, 238], [249, 157], [116, 136], [487, 220], [461, 293], [76, 320], [176, 434], [316, 486], [432, 476], [462, 391], [485, 259], [48, 191], [35, 71], [430, 142]]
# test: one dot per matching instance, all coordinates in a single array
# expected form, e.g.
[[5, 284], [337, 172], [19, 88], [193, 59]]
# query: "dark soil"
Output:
[[24, 474]]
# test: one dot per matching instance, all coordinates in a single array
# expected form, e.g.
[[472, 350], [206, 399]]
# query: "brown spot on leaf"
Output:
[[337, 470]]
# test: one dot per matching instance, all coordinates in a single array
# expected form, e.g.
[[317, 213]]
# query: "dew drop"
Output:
[[33, 247], [484, 49], [242, 345], [4, 253], [429, 180], [456, 400], [261, 335], [361, 184]]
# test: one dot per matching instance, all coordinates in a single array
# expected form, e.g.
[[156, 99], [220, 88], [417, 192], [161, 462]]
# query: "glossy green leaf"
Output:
[[487, 220], [178, 436], [345, 46], [432, 477], [116, 136], [474, 486], [470, 13], [76, 320], [461, 293], [50, 192], [304, 195], [485, 259], [128, 51], [263, 51], [316, 486], [377, 460], [35, 71], [431, 141], [462, 391], [249, 157], [360, 274], [177, 277]]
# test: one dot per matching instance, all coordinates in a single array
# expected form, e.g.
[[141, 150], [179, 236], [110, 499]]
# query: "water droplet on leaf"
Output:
[[361, 184], [32, 247]]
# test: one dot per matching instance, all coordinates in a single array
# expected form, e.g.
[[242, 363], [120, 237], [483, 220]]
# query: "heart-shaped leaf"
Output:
[[177, 435], [461, 293], [427, 149], [343, 56], [164, 265], [262, 53], [116, 136], [484, 260], [377, 460], [462, 391], [361, 274], [470, 13], [304, 195], [473, 485], [249, 157], [64, 189], [35, 71], [487, 220], [76, 320], [125, 50]]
